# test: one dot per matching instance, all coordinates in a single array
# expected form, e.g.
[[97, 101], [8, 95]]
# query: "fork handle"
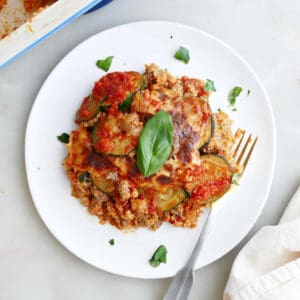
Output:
[[181, 284]]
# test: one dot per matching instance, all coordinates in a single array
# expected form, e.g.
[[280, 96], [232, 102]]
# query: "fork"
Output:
[[183, 280]]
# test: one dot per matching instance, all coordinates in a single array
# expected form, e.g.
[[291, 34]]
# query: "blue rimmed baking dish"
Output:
[[42, 25]]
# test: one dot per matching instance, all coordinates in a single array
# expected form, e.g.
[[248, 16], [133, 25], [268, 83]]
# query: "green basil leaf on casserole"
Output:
[[84, 177], [159, 256], [209, 86], [233, 94], [125, 105], [155, 143], [104, 64], [183, 54], [64, 138]]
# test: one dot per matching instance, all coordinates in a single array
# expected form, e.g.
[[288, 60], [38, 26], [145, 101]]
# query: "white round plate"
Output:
[[133, 46]]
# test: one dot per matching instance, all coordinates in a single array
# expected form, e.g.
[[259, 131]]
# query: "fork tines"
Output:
[[249, 144]]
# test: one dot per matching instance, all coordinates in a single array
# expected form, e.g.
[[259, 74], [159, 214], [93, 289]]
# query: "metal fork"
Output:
[[183, 280]]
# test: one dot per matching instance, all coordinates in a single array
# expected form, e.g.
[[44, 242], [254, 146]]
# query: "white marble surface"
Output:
[[33, 265]]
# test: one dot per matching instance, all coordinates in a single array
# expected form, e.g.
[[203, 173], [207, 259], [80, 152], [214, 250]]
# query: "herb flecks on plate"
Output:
[[104, 64], [233, 94], [155, 143], [159, 256], [64, 138], [111, 242], [183, 54], [209, 86]]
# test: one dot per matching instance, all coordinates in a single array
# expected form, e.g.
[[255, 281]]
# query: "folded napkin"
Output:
[[268, 267]]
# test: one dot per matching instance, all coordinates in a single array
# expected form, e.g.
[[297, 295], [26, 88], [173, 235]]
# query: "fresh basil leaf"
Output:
[[84, 177], [248, 93], [183, 54], [111, 242], [104, 64], [159, 256], [64, 138], [233, 94], [219, 110], [155, 143], [234, 109], [209, 86], [234, 179], [125, 105]]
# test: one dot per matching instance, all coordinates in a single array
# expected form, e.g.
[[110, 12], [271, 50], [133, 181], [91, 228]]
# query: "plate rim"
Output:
[[273, 129]]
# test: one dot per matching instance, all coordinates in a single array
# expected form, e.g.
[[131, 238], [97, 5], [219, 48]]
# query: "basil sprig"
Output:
[[155, 143], [64, 138], [183, 54], [159, 256], [209, 86], [105, 63], [233, 94]]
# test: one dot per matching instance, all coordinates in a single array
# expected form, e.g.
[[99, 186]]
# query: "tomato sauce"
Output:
[[211, 188]]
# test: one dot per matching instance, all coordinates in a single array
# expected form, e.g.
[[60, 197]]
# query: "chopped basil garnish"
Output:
[[248, 93], [183, 55], [155, 143], [64, 138], [84, 177], [125, 105], [234, 179], [111, 242], [209, 86], [219, 110], [234, 109], [104, 64], [159, 256], [233, 94]]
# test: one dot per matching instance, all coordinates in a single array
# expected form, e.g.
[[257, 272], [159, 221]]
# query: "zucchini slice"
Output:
[[170, 198], [114, 87], [216, 179], [88, 109], [207, 133], [103, 183], [116, 135]]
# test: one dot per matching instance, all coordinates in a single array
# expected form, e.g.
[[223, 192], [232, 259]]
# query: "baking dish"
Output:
[[41, 25]]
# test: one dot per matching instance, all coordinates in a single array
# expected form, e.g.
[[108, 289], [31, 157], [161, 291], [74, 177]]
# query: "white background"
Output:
[[33, 265]]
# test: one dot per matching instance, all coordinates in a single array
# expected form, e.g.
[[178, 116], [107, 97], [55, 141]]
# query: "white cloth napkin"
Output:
[[268, 267]]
